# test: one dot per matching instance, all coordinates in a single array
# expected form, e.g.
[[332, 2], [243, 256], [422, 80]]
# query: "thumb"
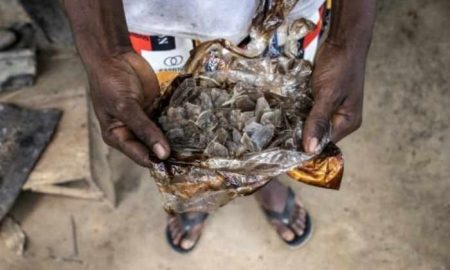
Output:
[[317, 124]]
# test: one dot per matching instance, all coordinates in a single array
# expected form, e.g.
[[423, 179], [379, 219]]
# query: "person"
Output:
[[123, 86]]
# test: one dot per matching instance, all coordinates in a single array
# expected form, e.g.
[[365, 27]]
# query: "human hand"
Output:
[[338, 84], [123, 89]]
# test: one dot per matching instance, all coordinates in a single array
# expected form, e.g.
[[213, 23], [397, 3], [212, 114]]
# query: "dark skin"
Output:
[[123, 86], [338, 76]]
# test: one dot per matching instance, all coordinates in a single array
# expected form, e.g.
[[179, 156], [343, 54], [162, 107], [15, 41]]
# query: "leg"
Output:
[[273, 197]]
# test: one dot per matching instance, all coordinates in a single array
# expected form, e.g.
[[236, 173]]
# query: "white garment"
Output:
[[201, 19]]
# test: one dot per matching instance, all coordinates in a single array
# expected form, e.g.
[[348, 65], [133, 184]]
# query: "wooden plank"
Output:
[[77, 140]]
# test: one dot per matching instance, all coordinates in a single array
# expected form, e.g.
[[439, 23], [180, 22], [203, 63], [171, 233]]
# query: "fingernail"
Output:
[[160, 151], [312, 145]]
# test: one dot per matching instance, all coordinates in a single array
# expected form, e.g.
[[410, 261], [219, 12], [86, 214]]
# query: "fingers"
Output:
[[123, 140], [145, 130], [283, 231], [344, 124], [318, 123]]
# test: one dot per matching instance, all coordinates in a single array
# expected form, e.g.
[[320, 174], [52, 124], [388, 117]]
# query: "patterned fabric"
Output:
[[168, 55], [309, 44]]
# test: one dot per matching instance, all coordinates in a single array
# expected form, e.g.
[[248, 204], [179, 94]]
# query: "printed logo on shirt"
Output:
[[162, 43], [173, 60]]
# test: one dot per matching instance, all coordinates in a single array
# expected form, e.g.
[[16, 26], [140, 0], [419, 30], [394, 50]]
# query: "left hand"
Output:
[[338, 87]]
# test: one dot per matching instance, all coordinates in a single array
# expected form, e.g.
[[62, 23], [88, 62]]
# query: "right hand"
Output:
[[123, 89]]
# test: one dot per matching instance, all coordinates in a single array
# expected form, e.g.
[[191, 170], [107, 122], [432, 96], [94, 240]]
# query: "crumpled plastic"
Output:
[[204, 171]]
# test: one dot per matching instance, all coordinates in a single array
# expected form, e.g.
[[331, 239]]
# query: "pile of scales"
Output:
[[234, 119]]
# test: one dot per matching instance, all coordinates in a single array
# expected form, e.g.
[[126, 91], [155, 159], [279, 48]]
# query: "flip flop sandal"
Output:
[[187, 225], [286, 219]]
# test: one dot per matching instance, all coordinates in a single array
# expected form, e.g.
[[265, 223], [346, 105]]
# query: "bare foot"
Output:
[[273, 197], [185, 229]]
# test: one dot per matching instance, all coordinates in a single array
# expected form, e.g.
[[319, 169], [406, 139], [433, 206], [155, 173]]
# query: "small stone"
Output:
[[245, 118], [244, 103], [289, 144], [206, 101], [262, 136], [192, 110], [252, 127], [7, 39], [262, 106], [206, 120], [271, 117], [215, 149], [236, 135], [222, 135], [247, 142], [219, 97]]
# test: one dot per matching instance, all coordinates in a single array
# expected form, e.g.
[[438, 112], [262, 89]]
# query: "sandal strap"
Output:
[[285, 216], [188, 223]]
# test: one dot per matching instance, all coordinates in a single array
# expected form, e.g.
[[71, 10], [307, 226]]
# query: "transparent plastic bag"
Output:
[[234, 121]]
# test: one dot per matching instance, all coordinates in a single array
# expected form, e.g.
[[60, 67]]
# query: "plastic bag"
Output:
[[234, 121]]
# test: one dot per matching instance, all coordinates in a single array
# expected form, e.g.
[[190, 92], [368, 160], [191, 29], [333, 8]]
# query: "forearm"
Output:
[[99, 28], [352, 24]]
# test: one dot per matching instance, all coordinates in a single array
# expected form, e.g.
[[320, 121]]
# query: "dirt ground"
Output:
[[392, 211]]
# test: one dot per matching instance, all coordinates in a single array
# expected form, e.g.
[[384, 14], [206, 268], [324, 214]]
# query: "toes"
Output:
[[302, 212], [297, 228], [189, 240], [299, 209], [177, 236], [300, 220], [300, 223], [187, 243], [172, 229], [297, 224], [172, 225], [175, 230], [171, 220], [285, 233]]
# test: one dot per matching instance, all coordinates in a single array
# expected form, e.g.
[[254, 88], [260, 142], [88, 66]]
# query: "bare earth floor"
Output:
[[392, 211]]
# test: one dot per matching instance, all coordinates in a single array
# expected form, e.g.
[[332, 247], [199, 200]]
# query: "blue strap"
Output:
[[286, 216], [188, 223]]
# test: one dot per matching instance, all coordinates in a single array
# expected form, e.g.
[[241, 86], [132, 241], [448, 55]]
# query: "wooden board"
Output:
[[67, 158]]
